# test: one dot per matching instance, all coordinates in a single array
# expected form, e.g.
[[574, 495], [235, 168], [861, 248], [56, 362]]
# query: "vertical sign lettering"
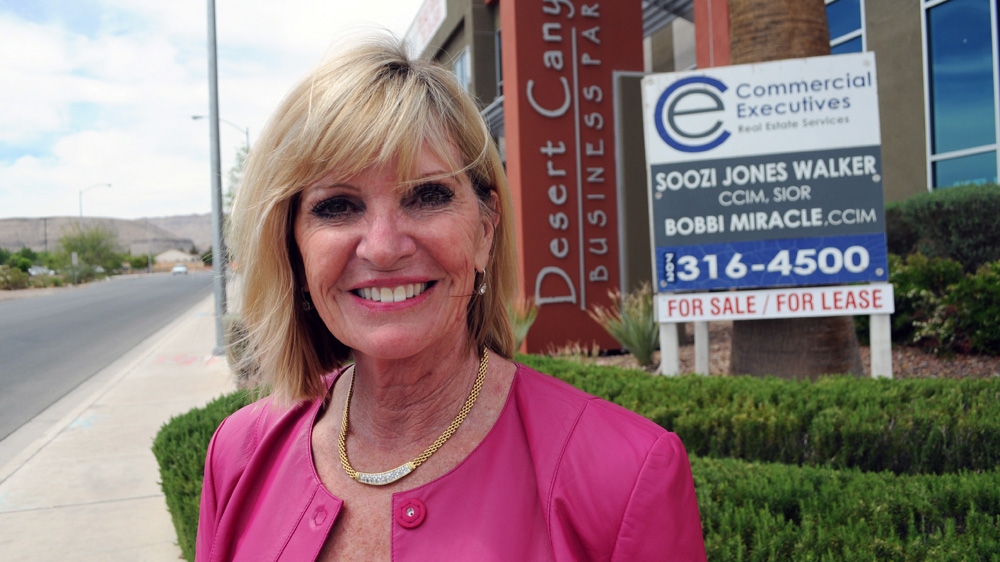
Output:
[[558, 59]]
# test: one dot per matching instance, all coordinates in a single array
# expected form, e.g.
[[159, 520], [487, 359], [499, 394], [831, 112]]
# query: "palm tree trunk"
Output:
[[761, 31], [766, 30]]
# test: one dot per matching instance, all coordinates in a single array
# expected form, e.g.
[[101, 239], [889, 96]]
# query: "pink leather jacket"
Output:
[[561, 476]]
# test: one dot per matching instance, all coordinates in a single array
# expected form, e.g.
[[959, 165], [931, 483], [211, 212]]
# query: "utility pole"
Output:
[[218, 244]]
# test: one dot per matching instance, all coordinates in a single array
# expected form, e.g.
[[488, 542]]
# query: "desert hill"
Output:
[[156, 233]]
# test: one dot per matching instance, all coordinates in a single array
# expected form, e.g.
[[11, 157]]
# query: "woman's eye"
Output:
[[432, 195], [335, 207]]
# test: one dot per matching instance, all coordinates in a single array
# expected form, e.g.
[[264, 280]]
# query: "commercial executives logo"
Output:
[[689, 119]]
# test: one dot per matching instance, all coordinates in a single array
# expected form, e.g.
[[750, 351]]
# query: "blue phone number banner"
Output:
[[772, 263]]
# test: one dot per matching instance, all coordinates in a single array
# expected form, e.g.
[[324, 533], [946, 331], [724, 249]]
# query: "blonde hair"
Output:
[[367, 106]]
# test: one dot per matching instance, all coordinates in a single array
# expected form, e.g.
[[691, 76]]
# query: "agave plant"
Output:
[[630, 320], [522, 312]]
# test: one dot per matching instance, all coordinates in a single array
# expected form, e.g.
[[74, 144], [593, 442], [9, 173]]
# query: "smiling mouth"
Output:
[[394, 294]]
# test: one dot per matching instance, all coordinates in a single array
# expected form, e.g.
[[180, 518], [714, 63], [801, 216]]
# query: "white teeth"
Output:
[[397, 294]]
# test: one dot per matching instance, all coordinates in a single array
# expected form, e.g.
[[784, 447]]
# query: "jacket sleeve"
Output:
[[661, 521], [209, 510]]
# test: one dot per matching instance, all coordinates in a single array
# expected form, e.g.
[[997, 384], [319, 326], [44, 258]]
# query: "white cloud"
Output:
[[111, 101]]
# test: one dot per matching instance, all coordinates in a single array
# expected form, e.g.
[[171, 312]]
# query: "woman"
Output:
[[374, 223]]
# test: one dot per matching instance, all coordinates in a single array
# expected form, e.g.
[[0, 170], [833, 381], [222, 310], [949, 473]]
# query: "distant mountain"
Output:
[[197, 228], [158, 233]]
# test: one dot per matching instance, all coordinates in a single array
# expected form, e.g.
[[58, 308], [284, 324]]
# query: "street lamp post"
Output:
[[218, 240], [244, 130], [80, 221]]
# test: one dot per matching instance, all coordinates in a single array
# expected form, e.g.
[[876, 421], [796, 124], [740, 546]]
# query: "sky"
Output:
[[96, 92]]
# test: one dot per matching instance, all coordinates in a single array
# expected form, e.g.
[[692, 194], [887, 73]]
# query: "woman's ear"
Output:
[[491, 220]]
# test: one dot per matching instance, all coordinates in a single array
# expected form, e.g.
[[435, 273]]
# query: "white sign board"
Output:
[[766, 175]]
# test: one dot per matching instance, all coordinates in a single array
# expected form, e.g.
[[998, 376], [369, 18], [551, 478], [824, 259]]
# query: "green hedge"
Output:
[[905, 426], [958, 223], [754, 511], [180, 448]]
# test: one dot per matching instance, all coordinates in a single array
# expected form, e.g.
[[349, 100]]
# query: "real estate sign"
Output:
[[766, 175]]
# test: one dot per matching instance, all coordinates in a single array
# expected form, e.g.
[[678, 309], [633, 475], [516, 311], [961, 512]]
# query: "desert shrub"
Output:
[[43, 281], [12, 278], [966, 317], [918, 282], [138, 263]]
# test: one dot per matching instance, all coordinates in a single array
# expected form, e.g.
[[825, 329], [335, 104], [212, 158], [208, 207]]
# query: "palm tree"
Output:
[[761, 31]]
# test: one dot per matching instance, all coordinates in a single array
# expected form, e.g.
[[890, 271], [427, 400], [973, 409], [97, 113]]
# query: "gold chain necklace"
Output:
[[390, 476]]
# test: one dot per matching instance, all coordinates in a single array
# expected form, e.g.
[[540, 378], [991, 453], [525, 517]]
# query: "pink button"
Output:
[[319, 516], [411, 513]]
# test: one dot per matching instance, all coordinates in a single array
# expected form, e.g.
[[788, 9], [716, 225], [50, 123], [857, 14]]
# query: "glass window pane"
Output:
[[979, 168], [461, 69], [960, 48], [852, 46], [843, 17]]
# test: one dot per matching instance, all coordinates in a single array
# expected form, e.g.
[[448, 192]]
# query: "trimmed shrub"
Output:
[[904, 426], [180, 448], [900, 236], [958, 223], [749, 510], [753, 511]]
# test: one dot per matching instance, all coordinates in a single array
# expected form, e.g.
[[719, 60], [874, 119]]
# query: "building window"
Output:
[[498, 44], [846, 19], [960, 76], [462, 69]]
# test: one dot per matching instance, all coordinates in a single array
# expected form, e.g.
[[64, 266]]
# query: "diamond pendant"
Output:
[[387, 477]]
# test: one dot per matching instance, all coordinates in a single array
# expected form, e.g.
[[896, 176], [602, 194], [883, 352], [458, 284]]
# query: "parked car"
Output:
[[179, 269]]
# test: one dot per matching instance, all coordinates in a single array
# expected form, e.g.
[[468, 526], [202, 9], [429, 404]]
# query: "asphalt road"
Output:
[[50, 344]]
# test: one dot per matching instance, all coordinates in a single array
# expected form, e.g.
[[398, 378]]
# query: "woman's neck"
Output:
[[397, 403]]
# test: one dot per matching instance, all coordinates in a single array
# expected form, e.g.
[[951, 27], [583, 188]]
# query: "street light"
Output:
[[80, 222], [244, 130], [218, 240]]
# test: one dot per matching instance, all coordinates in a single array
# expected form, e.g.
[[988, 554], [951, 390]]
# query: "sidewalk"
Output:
[[86, 487]]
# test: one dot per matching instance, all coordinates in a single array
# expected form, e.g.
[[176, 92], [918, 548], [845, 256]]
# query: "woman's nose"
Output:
[[385, 240]]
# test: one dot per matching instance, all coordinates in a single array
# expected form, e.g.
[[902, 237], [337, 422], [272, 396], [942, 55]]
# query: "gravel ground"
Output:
[[907, 362]]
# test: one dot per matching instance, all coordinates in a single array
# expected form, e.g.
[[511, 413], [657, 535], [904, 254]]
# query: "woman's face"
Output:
[[391, 270]]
